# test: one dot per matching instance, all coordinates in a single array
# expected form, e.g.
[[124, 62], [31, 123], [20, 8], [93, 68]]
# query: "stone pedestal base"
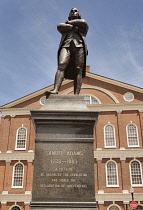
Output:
[[64, 157]]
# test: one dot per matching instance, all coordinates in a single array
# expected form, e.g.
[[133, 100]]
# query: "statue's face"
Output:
[[74, 14]]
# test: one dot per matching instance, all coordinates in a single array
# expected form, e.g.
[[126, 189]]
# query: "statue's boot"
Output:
[[58, 81]]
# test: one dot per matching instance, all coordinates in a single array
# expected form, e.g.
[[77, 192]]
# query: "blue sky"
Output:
[[29, 42]]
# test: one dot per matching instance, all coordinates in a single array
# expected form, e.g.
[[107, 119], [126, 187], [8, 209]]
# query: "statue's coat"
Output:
[[70, 70]]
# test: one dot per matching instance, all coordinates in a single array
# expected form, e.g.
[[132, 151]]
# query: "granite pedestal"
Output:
[[64, 158]]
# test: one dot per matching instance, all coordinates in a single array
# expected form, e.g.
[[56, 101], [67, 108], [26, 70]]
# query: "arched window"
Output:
[[109, 136], [114, 207], [21, 136], [15, 208], [111, 174], [91, 100], [136, 173], [132, 135], [18, 174]]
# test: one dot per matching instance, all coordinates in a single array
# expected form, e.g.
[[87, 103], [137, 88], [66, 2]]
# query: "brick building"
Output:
[[118, 147]]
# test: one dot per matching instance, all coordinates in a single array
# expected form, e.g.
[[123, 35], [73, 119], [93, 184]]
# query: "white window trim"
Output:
[[117, 174], [40, 100], [124, 96], [14, 206], [136, 185], [17, 136], [114, 137], [13, 176], [114, 205], [137, 135]]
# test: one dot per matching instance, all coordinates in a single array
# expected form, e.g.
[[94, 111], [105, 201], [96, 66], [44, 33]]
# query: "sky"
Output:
[[29, 41]]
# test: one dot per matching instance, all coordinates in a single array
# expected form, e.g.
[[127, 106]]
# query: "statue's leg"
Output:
[[62, 64], [79, 63], [58, 81]]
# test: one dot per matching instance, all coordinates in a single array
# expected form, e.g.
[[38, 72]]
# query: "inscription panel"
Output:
[[63, 172]]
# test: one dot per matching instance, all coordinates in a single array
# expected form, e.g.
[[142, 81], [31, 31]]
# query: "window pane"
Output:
[[136, 173], [90, 100], [132, 135], [21, 138], [93, 100], [18, 175], [111, 173], [109, 136]]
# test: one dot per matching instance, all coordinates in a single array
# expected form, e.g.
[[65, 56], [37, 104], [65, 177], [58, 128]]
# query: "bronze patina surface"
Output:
[[72, 51]]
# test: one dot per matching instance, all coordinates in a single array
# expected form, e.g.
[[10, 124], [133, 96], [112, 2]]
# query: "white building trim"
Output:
[[117, 153], [118, 107], [29, 156], [113, 205], [14, 206], [15, 198], [118, 197]]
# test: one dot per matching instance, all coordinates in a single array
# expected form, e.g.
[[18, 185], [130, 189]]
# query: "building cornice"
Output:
[[138, 106], [26, 198], [15, 198], [8, 156], [118, 197], [98, 154], [17, 111], [116, 153]]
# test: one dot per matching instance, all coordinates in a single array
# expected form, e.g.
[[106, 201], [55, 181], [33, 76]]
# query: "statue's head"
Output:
[[74, 14]]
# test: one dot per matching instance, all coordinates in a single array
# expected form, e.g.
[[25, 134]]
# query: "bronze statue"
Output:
[[72, 51]]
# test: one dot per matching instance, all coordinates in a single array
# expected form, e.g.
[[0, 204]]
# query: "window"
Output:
[[21, 136], [91, 100], [43, 100], [132, 135], [15, 208], [111, 174], [136, 173], [114, 207], [128, 96], [109, 136], [18, 173]]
